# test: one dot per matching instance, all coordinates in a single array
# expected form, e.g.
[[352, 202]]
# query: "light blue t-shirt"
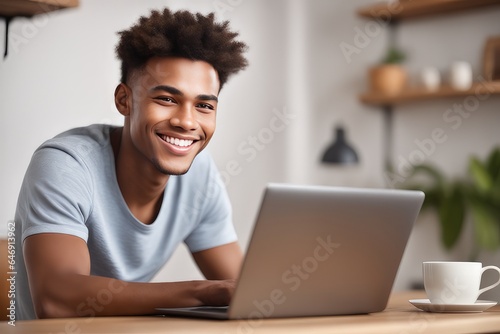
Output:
[[70, 187]]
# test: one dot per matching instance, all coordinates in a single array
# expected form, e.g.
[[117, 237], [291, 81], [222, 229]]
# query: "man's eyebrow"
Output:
[[207, 97], [168, 89], [175, 91]]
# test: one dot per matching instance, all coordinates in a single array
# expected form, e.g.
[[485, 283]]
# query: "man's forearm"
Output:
[[73, 295]]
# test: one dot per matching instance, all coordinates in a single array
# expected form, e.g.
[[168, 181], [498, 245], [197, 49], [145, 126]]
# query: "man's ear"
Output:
[[123, 99]]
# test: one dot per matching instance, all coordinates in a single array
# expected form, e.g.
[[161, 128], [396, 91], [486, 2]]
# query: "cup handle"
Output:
[[492, 285]]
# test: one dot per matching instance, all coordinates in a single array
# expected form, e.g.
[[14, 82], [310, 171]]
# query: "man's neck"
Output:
[[141, 185]]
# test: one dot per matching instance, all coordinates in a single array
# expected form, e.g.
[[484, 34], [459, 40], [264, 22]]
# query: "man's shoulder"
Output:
[[98, 133], [81, 139]]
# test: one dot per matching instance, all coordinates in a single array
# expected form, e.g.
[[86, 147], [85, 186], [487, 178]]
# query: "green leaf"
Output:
[[436, 176], [495, 192], [480, 176], [451, 216], [394, 56], [486, 226], [493, 164], [433, 197]]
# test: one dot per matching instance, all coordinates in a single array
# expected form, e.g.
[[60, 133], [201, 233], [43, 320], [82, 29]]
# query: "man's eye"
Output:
[[205, 106], [165, 99]]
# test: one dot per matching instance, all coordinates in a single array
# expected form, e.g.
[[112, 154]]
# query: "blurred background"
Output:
[[309, 64]]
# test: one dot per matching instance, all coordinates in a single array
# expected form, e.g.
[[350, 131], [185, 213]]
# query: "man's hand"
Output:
[[221, 265], [216, 293]]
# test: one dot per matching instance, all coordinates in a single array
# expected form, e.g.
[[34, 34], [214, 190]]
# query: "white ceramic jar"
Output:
[[431, 78], [461, 75]]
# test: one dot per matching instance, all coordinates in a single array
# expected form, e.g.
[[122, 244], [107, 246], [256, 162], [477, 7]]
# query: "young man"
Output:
[[102, 208]]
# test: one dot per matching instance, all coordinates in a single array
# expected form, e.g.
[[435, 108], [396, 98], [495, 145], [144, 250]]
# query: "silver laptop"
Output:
[[319, 251]]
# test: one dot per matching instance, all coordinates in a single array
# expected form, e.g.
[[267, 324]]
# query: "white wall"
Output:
[[61, 72]]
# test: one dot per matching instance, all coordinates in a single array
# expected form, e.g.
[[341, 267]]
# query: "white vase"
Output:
[[430, 77], [461, 75]]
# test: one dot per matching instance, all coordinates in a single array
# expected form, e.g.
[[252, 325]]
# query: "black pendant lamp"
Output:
[[340, 152]]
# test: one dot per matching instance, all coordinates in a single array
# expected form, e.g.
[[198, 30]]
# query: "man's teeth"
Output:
[[177, 141]]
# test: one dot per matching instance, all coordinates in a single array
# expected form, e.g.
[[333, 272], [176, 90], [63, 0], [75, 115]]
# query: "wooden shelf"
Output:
[[12, 8], [408, 9], [421, 94]]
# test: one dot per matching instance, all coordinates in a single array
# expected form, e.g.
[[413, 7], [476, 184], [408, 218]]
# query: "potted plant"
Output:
[[476, 196], [389, 77]]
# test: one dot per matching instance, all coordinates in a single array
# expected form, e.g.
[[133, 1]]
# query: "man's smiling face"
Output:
[[173, 112]]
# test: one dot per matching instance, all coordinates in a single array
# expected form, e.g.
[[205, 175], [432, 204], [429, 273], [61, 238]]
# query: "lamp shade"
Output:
[[340, 152]]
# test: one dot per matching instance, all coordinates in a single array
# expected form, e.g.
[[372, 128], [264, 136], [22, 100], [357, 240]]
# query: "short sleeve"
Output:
[[215, 227], [56, 195]]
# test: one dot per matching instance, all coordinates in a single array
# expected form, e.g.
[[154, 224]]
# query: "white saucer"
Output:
[[426, 305]]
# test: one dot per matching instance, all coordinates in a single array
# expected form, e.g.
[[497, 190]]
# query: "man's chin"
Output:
[[173, 172], [170, 170]]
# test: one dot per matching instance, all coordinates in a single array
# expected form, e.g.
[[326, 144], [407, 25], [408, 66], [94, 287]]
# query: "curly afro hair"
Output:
[[181, 34]]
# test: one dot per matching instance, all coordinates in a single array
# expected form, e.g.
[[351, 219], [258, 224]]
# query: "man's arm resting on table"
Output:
[[58, 267]]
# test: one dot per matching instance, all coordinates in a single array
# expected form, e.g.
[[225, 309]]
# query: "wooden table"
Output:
[[399, 317]]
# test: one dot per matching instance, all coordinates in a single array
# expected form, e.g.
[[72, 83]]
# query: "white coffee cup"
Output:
[[455, 282], [461, 75], [431, 79]]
